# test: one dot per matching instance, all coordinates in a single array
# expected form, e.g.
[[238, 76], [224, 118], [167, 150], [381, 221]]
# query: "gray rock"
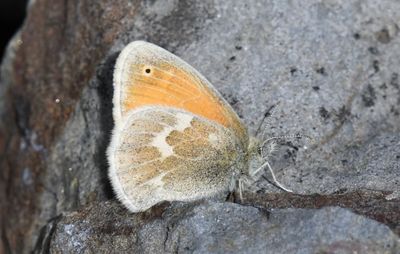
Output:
[[221, 228], [332, 65]]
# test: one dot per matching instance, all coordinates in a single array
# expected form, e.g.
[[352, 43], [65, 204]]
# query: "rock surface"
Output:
[[220, 228], [333, 67]]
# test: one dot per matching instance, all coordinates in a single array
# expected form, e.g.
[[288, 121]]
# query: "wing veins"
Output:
[[172, 84], [198, 84], [147, 85]]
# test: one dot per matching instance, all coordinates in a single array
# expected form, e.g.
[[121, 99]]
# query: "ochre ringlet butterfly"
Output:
[[175, 138]]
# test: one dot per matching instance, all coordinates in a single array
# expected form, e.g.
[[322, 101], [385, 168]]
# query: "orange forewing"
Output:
[[173, 88], [161, 81]]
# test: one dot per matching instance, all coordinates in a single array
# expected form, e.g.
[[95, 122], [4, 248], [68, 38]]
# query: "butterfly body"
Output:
[[175, 137]]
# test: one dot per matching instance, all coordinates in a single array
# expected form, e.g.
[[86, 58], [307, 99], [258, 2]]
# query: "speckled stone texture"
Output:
[[331, 67], [221, 228]]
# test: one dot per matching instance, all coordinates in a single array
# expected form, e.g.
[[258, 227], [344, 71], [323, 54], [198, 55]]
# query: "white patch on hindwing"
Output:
[[212, 138], [160, 140], [183, 121]]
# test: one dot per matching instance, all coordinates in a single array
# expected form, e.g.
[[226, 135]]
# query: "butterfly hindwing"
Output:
[[162, 153]]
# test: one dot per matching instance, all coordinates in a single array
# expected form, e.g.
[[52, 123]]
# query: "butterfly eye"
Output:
[[147, 70]]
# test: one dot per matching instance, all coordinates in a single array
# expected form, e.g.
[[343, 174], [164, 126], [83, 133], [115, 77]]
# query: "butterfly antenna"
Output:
[[267, 113], [284, 137]]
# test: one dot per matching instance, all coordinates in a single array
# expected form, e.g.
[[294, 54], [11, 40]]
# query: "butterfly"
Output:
[[175, 138]]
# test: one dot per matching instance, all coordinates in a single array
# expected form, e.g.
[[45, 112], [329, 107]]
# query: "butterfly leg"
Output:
[[262, 167], [275, 180], [241, 189], [244, 181]]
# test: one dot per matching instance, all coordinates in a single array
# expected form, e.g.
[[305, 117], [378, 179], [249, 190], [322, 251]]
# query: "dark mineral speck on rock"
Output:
[[322, 63]]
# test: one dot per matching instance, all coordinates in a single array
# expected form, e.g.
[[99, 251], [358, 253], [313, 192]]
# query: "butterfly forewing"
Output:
[[147, 75]]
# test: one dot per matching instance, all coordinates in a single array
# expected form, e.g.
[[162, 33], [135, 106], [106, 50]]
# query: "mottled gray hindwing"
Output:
[[161, 153]]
